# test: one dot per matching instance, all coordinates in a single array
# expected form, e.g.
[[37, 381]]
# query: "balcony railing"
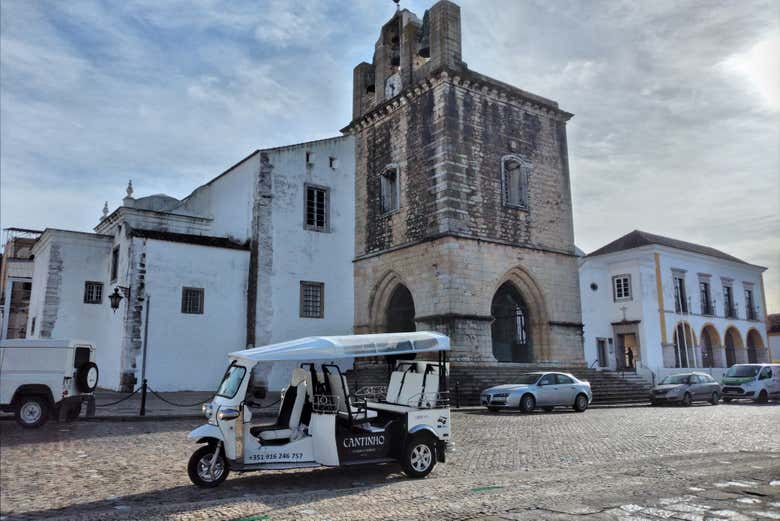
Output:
[[730, 311], [710, 309]]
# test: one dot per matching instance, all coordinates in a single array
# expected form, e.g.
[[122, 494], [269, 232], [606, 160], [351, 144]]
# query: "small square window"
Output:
[[309, 158], [312, 299], [93, 292], [621, 287], [390, 190], [316, 208], [333, 162], [192, 301]]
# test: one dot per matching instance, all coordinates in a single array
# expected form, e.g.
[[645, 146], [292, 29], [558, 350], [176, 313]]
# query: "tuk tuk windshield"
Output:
[[231, 381]]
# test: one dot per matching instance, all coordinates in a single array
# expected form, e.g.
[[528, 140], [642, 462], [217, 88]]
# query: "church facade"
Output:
[[444, 205], [463, 210]]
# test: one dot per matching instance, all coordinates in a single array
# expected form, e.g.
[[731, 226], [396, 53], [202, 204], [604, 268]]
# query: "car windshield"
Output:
[[675, 379], [232, 381], [527, 378], [743, 371]]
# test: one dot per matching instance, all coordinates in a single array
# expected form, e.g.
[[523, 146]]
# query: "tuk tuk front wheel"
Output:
[[419, 457], [200, 467]]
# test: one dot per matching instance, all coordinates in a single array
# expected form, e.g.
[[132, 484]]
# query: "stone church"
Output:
[[463, 209], [452, 188]]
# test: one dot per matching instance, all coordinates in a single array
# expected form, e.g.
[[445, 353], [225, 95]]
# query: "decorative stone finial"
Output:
[[105, 211], [130, 188]]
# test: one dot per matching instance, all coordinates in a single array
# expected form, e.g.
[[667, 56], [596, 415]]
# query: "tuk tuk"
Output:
[[321, 422]]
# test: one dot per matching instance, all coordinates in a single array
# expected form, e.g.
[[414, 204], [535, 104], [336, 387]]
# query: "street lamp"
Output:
[[115, 298]]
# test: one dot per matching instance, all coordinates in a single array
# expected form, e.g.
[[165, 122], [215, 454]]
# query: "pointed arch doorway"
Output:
[[510, 329]]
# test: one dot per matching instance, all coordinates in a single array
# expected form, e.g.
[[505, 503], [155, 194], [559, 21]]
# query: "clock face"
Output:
[[392, 86]]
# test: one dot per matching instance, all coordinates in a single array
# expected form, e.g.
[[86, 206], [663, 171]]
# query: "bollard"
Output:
[[457, 394], [143, 398]]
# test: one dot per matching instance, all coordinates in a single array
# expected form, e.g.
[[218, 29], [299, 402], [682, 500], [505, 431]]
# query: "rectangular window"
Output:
[[192, 301], [704, 297], [750, 311], [93, 292], [316, 208], [390, 190], [514, 177], [728, 302], [312, 299], [333, 162], [114, 263], [621, 287], [680, 295]]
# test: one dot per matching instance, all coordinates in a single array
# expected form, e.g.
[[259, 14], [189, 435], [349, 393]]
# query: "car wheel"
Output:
[[32, 411], [580, 403], [763, 397], [199, 467], [686, 400], [726, 399], [715, 398], [548, 408], [527, 403], [419, 457]]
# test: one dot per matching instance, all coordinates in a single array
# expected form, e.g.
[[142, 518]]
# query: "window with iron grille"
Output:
[[316, 208], [750, 312], [704, 297], [192, 301], [312, 299], [390, 189], [728, 303], [621, 287], [680, 295], [515, 174], [93, 292]]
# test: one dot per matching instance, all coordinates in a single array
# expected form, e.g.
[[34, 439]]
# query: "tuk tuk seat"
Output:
[[288, 422]]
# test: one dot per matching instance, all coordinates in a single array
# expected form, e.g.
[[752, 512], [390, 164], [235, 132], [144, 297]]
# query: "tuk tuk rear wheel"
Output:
[[199, 465], [419, 456]]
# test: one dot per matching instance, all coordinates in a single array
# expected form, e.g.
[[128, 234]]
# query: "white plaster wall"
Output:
[[774, 348], [305, 255], [85, 257], [228, 200], [188, 351]]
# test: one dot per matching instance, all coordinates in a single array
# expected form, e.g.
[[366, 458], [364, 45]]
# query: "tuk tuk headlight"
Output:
[[207, 409]]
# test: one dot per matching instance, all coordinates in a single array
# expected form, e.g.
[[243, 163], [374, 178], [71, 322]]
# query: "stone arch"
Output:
[[380, 298], [711, 347], [537, 318], [733, 346], [685, 345], [755, 346]]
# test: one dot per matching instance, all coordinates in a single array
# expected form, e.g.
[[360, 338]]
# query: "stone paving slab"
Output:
[[559, 463]]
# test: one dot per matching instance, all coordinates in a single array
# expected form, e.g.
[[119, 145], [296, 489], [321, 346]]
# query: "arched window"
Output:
[[730, 343], [390, 189], [754, 343], [515, 175], [510, 329]]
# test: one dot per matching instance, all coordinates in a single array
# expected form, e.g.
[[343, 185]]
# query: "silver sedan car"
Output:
[[545, 390]]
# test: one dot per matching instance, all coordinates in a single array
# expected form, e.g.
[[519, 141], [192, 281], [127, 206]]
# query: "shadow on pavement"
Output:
[[330, 482]]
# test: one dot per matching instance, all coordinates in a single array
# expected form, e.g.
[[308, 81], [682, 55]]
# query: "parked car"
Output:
[[42, 377], [686, 388], [758, 382], [545, 390]]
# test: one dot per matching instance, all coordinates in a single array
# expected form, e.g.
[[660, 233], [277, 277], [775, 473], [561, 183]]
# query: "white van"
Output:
[[759, 382], [42, 377]]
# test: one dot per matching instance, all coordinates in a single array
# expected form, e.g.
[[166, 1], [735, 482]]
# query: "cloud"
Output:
[[676, 126]]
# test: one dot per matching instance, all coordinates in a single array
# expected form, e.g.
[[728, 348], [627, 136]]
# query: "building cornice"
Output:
[[470, 80]]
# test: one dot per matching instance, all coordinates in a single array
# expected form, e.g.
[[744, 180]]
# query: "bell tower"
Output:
[[462, 201]]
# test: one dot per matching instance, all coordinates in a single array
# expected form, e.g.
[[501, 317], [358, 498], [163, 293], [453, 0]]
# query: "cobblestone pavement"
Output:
[[694, 463]]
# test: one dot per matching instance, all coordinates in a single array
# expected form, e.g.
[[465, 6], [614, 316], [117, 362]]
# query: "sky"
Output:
[[677, 104]]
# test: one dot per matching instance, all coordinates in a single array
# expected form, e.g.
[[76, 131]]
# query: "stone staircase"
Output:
[[608, 387]]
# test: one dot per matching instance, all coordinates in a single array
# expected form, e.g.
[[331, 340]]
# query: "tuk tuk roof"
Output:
[[348, 346]]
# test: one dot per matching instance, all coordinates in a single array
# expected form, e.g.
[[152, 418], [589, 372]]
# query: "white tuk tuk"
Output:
[[320, 421]]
